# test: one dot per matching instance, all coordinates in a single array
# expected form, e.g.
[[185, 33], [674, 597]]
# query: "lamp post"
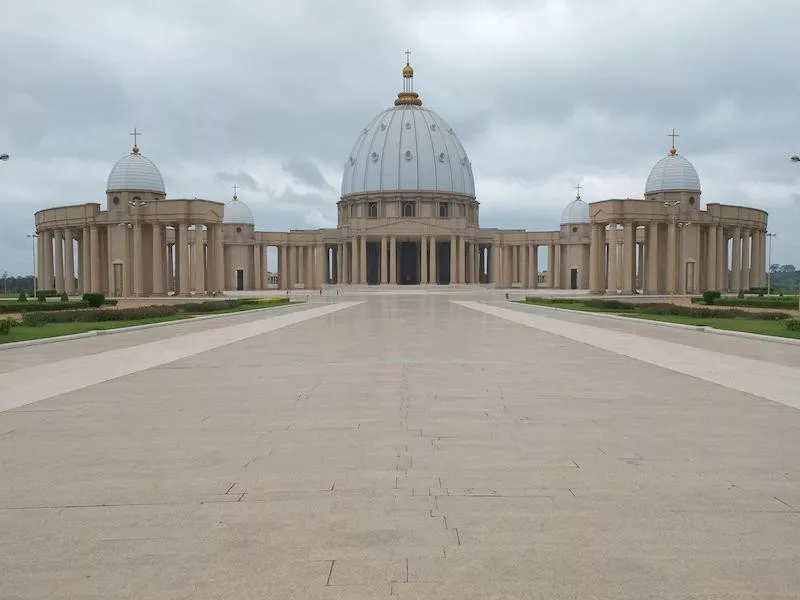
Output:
[[769, 262], [34, 237]]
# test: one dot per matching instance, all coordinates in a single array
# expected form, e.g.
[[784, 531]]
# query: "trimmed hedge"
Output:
[[665, 308], [23, 307], [5, 326], [98, 314], [710, 296], [793, 324], [754, 302]]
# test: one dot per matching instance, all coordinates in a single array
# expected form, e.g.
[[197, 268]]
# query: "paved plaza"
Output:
[[406, 445]]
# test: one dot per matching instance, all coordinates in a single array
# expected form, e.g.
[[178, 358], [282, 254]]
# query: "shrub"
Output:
[[23, 297], [792, 324], [613, 304], [97, 315], [740, 295], [5, 326], [64, 297], [709, 296], [23, 307], [95, 299], [48, 293], [41, 297]]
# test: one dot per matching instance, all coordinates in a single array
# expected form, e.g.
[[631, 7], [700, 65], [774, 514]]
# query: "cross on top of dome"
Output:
[[408, 96]]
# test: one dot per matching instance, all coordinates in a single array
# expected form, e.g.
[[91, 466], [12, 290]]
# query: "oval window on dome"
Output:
[[409, 155], [408, 124], [383, 126], [374, 157], [352, 160], [442, 156], [433, 126]]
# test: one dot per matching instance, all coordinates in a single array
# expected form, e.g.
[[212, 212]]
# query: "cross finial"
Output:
[[673, 135], [578, 187], [235, 189], [135, 133], [408, 57]]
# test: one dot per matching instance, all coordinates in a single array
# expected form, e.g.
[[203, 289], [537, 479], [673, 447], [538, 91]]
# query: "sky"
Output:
[[272, 96]]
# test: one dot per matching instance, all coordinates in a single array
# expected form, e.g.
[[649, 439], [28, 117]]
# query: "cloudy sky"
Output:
[[272, 95]]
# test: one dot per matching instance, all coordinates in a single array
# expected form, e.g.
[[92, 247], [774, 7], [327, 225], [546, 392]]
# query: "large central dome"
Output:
[[408, 148]]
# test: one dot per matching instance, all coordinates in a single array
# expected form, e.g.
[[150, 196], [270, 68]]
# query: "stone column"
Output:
[[69, 263], [671, 259], [627, 258], [594, 262], [494, 264], [736, 263], [339, 263], [171, 285], [257, 285], [423, 267], [283, 267], [722, 260], [477, 271], [136, 259], [762, 259], [347, 269], [299, 264], [393, 260], [182, 252], [321, 257], [384, 270], [453, 259], [613, 285], [58, 242], [641, 272], [219, 256], [159, 289], [199, 260], [47, 277], [534, 252], [711, 252], [746, 237], [652, 260], [551, 264], [515, 270], [86, 252], [462, 259], [471, 262], [557, 266], [362, 255], [432, 275], [354, 260]]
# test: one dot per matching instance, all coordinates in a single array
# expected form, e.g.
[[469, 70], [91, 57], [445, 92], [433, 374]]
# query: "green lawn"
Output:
[[760, 326], [21, 333]]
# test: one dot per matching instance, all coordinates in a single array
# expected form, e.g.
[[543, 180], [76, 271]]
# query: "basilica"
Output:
[[408, 215]]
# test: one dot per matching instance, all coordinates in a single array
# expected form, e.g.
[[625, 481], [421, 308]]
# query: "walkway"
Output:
[[407, 446]]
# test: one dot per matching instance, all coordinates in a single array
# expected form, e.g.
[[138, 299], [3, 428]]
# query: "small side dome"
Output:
[[237, 212], [672, 173], [575, 212], [137, 173]]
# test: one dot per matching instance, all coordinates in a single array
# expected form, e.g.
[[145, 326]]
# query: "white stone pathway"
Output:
[[779, 383], [31, 384]]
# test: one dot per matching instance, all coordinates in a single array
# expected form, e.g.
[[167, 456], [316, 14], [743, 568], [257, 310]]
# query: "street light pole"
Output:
[[34, 237], [769, 262]]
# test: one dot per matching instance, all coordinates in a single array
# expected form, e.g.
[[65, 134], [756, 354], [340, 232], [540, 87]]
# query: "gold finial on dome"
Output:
[[408, 96], [673, 151], [135, 133]]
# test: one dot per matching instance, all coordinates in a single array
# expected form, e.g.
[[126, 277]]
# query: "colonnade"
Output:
[[299, 266], [132, 259], [675, 258]]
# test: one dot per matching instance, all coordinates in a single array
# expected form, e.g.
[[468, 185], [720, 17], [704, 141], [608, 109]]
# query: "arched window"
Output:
[[373, 210], [408, 209]]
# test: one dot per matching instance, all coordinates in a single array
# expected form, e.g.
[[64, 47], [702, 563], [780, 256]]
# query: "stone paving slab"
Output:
[[405, 447]]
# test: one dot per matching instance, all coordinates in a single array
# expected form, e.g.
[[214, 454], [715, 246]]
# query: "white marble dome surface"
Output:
[[408, 148], [135, 172], [237, 212], [575, 212], [672, 173]]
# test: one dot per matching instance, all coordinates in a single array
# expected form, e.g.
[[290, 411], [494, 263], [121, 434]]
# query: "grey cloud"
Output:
[[306, 172], [244, 180]]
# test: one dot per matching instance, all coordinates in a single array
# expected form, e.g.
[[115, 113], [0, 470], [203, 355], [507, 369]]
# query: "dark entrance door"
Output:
[[373, 263], [443, 262], [573, 279], [239, 279], [408, 266]]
